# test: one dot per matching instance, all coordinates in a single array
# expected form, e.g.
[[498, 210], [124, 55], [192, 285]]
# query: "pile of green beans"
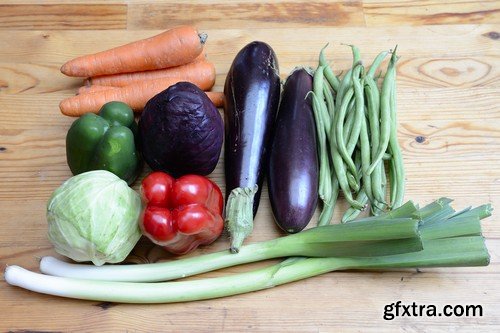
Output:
[[357, 137]]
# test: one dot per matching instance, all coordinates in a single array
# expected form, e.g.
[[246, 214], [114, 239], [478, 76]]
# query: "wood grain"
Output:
[[391, 12], [63, 16], [244, 14], [449, 116]]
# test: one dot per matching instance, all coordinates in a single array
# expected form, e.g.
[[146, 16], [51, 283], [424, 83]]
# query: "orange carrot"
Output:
[[202, 56], [174, 47], [92, 89], [135, 95], [216, 97], [192, 72]]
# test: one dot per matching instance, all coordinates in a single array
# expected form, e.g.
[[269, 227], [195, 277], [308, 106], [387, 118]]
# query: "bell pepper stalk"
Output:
[[182, 213], [105, 141]]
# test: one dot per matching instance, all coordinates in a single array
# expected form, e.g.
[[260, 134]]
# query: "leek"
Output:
[[458, 251], [449, 239], [369, 238]]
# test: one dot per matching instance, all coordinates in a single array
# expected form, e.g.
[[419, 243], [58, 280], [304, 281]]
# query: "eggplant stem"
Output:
[[239, 215]]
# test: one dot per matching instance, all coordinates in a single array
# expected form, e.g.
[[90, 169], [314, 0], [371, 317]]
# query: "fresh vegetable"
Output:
[[252, 92], [105, 142], [293, 163], [93, 88], [385, 112], [181, 214], [323, 116], [94, 216], [216, 97], [359, 123], [367, 238], [396, 161], [136, 95], [440, 221], [449, 238], [197, 71], [181, 131], [174, 47]]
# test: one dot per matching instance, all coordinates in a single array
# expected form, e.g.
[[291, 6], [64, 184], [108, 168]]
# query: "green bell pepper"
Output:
[[106, 141]]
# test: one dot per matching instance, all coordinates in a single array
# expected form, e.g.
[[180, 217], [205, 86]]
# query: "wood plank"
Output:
[[448, 42], [244, 14], [17, 78], [66, 2], [63, 16], [422, 73], [428, 12], [452, 150]]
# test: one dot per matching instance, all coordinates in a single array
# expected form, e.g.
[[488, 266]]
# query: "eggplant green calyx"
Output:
[[239, 215]]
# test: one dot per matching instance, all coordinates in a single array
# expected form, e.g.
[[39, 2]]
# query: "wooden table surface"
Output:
[[449, 97]]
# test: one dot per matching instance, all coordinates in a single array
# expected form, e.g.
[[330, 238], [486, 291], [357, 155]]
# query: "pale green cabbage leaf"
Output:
[[94, 217]]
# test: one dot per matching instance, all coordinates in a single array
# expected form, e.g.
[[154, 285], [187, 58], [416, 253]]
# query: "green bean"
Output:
[[329, 76], [327, 212], [325, 185], [385, 114], [383, 180], [330, 103], [373, 111], [345, 85], [393, 182], [357, 163], [365, 159], [359, 109], [328, 207], [379, 207], [339, 130], [346, 82], [318, 79], [353, 181], [340, 171], [356, 56], [376, 63], [355, 123], [397, 158], [351, 213], [349, 120], [331, 110]]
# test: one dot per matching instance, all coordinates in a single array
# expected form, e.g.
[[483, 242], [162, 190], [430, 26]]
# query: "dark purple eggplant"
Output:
[[292, 176], [252, 92]]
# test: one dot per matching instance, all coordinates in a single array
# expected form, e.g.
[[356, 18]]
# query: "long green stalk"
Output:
[[329, 240], [460, 251], [369, 238]]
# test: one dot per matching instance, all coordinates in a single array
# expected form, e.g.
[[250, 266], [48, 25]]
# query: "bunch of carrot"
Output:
[[135, 72]]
